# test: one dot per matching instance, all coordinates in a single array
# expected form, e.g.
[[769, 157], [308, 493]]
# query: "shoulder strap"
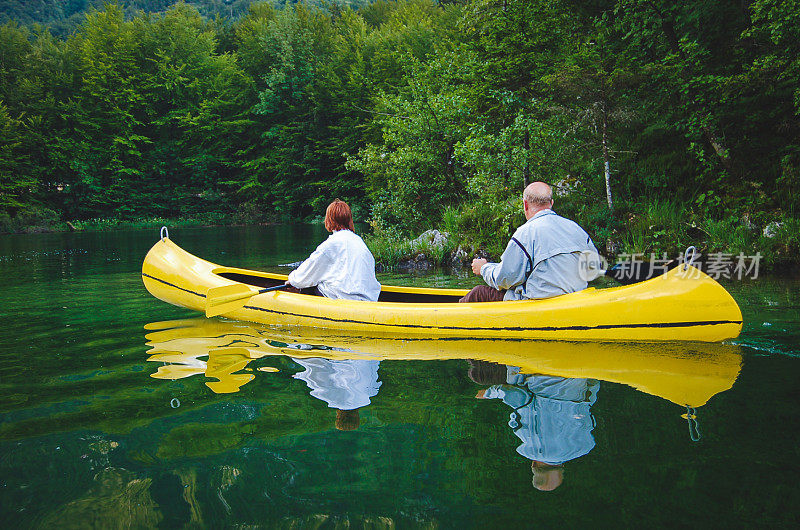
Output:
[[515, 422], [530, 261]]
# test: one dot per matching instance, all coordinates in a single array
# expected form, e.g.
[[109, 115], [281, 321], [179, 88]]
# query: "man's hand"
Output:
[[477, 263]]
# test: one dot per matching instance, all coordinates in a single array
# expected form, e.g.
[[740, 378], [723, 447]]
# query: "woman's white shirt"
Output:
[[345, 384], [341, 267]]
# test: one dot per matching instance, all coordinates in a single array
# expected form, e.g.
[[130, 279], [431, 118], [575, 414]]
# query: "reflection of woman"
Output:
[[551, 417], [342, 266], [344, 385]]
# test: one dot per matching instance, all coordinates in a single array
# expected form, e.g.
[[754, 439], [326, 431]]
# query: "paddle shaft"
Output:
[[273, 288], [220, 300]]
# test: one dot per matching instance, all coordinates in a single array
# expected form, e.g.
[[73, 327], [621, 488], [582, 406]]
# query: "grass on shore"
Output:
[[45, 220], [483, 229]]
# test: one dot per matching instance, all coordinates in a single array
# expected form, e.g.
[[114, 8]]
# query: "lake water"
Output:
[[120, 411]]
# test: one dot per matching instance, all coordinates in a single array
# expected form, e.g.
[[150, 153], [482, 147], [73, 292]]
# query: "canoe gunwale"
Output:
[[238, 275]]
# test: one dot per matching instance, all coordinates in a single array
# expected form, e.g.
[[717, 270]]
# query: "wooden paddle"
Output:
[[229, 298]]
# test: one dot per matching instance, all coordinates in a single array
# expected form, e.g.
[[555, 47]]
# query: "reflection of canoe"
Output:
[[686, 374], [675, 306]]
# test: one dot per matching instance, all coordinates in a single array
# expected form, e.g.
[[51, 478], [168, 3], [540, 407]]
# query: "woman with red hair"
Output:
[[342, 266]]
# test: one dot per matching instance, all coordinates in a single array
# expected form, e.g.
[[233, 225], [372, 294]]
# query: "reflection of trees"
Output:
[[118, 499], [188, 478], [337, 522]]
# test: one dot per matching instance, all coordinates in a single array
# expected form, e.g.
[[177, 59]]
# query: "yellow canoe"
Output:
[[685, 374], [682, 305]]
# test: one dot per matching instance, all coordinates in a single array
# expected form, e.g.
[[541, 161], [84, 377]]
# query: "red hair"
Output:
[[338, 217]]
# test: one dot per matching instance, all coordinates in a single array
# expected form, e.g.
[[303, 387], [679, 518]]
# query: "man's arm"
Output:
[[510, 272]]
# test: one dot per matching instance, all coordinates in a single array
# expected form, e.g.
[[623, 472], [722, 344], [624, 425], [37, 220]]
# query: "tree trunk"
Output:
[[719, 148], [606, 159], [526, 172]]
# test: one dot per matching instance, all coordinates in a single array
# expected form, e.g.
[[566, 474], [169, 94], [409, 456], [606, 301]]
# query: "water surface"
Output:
[[97, 430]]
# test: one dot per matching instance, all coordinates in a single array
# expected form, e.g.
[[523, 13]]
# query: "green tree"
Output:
[[771, 80], [281, 164], [595, 91], [15, 186], [106, 145], [531, 148], [197, 111], [413, 173], [682, 48]]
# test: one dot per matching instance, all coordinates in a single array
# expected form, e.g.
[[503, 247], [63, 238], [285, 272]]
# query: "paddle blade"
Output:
[[220, 300]]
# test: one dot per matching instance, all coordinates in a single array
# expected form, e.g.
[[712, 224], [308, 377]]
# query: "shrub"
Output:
[[31, 219], [484, 225]]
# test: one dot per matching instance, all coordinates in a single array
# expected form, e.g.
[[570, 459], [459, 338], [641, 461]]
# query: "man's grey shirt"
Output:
[[554, 245]]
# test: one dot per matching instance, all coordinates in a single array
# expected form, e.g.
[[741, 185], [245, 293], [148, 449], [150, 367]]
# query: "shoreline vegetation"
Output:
[[659, 124], [473, 231], [660, 229], [53, 224]]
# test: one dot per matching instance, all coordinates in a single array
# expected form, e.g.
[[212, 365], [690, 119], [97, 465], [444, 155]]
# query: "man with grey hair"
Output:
[[542, 260]]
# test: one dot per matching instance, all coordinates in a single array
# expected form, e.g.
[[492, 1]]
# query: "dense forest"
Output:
[[65, 16], [659, 123]]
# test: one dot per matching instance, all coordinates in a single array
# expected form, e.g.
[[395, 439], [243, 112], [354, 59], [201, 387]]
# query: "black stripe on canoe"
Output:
[[464, 328], [201, 295], [543, 328]]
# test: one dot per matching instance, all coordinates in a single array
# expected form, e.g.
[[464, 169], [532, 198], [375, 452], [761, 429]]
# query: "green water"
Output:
[[89, 439]]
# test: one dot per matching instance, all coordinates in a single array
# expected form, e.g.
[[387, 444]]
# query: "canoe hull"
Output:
[[679, 305]]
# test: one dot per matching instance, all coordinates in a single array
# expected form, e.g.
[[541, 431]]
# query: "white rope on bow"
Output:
[[689, 260]]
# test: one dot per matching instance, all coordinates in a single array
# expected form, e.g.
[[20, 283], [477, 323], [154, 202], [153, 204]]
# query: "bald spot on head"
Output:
[[538, 194]]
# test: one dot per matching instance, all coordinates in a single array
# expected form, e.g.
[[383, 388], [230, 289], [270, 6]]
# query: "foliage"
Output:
[[413, 172], [417, 111], [31, 219], [531, 148], [12, 188], [483, 225], [64, 16], [389, 248]]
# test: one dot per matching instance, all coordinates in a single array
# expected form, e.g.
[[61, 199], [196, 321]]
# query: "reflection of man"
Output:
[[551, 416], [344, 385]]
